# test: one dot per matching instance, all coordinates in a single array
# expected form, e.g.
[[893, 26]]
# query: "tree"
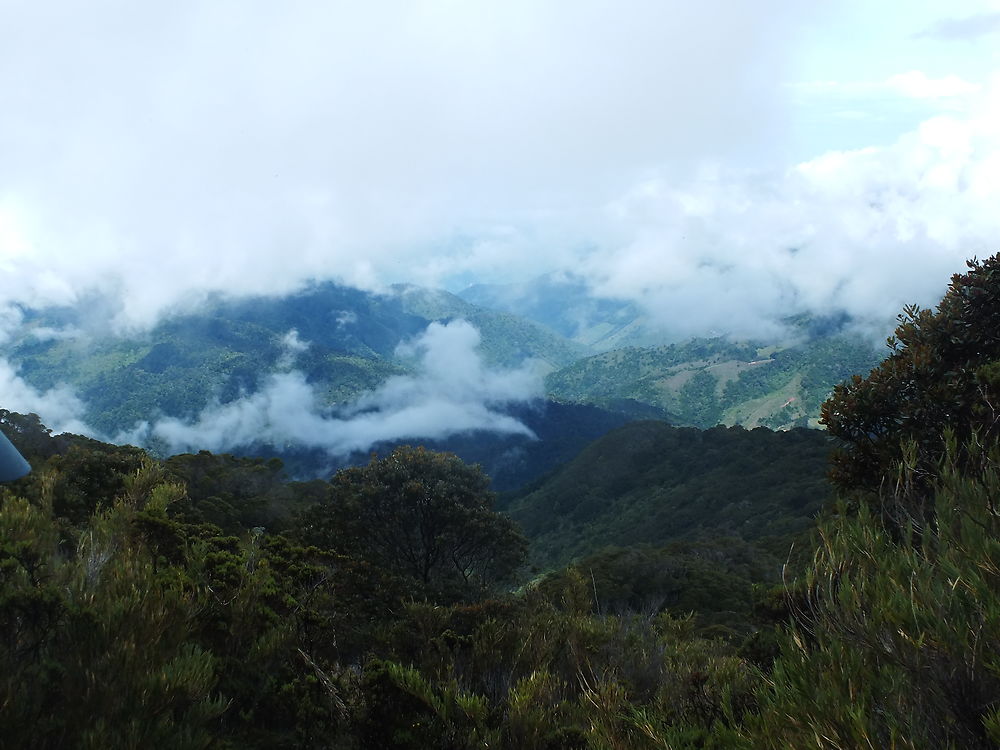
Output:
[[897, 619], [943, 374], [33, 439], [423, 515]]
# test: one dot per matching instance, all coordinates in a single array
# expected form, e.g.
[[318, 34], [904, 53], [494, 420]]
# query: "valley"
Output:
[[640, 554], [500, 375], [230, 356]]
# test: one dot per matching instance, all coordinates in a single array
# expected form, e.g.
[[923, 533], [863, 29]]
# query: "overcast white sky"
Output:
[[744, 160]]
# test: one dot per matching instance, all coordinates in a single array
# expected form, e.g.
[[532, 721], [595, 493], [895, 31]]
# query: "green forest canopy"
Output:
[[183, 604]]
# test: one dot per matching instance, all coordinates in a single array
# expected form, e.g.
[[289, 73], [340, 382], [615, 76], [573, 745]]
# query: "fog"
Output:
[[60, 408], [450, 392], [160, 153], [719, 165], [864, 232]]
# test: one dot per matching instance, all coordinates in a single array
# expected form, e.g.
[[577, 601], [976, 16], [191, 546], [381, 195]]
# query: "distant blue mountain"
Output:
[[566, 304]]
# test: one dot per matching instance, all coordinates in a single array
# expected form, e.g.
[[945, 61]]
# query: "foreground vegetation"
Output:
[[202, 602]]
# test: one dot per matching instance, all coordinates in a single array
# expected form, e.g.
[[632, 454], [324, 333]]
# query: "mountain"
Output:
[[342, 343], [567, 305], [777, 383], [227, 347], [704, 382], [508, 338], [512, 461], [651, 483]]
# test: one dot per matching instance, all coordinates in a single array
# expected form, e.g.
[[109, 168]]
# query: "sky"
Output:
[[721, 164], [158, 152]]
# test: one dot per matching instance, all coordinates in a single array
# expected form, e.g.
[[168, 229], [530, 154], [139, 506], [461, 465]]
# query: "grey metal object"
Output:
[[12, 463]]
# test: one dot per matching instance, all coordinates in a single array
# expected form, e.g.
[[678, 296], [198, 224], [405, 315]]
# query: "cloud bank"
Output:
[[451, 392], [161, 152], [864, 231], [60, 409], [965, 28]]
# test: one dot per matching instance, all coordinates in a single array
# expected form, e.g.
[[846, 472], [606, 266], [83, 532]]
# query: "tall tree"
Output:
[[943, 373], [423, 515]]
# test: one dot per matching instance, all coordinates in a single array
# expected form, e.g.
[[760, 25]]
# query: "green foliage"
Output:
[[33, 439], [240, 493], [713, 579], [422, 515], [650, 483], [942, 374], [77, 475], [898, 634], [527, 674], [143, 626], [705, 382], [129, 619], [698, 394], [97, 650], [132, 628]]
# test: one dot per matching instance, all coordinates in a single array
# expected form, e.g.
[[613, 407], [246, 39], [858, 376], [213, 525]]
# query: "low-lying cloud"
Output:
[[162, 152], [451, 392], [59, 407], [863, 232]]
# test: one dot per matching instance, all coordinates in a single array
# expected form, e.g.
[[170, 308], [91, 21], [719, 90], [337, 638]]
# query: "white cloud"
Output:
[[451, 393], [918, 85], [292, 346], [162, 151], [913, 84], [865, 231], [158, 153], [59, 408], [965, 28]]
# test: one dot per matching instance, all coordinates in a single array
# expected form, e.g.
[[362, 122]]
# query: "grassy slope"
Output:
[[706, 382]]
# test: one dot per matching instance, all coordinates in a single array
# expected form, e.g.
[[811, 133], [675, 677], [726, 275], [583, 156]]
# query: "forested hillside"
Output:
[[649, 483], [205, 602], [508, 339], [345, 342], [335, 346], [564, 303], [705, 382]]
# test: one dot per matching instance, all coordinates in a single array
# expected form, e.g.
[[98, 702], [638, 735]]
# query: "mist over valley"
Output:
[[534, 375]]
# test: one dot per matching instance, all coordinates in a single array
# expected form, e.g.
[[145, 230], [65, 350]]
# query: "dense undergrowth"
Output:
[[202, 602]]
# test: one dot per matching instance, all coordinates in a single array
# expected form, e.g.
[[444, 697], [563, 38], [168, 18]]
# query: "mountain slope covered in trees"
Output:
[[346, 341], [705, 382], [140, 608], [650, 483], [227, 347], [559, 432], [567, 305]]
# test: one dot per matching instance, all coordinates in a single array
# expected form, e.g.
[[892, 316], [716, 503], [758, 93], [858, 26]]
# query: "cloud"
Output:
[[963, 29], [451, 392], [918, 85], [59, 408], [864, 231], [914, 84], [162, 152], [291, 347], [346, 318], [159, 153]]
